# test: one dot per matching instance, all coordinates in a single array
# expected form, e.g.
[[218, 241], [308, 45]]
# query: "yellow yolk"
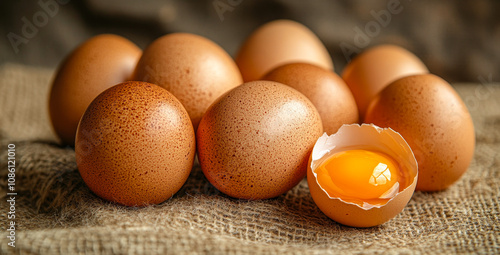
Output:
[[359, 175]]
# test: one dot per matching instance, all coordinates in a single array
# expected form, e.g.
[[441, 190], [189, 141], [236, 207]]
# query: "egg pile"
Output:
[[260, 123]]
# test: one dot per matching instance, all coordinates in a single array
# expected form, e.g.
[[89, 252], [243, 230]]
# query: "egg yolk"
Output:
[[359, 175]]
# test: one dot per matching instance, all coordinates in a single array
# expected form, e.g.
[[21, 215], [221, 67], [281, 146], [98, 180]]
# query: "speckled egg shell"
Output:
[[371, 71], [99, 63], [280, 42], [326, 90], [135, 144], [193, 68], [435, 122], [254, 142]]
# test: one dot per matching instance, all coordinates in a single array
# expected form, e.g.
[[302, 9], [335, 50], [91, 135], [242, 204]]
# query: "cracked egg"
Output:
[[363, 175]]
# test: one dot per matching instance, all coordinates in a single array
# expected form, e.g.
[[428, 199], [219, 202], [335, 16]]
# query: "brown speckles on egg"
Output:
[[326, 90], [434, 121], [254, 142], [135, 144], [194, 69]]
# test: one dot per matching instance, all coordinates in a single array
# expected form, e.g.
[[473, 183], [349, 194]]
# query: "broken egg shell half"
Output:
[[368, 137]]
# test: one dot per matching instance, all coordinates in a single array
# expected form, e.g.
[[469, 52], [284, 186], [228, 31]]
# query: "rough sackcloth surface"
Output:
[[57, 214]]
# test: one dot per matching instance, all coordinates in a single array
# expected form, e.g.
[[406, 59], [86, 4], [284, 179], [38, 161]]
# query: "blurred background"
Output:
[[457, 40]]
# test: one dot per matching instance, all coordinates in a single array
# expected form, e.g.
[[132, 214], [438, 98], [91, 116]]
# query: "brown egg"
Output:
[[432, 118], [368, 73], [254, 142], [326, 90], [135, 144], [277, 43], [97, 64], [196, 70]]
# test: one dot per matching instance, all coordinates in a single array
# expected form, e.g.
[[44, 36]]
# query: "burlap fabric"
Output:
[[56, 213]]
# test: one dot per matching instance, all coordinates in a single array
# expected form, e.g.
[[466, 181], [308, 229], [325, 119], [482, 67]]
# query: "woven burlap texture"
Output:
[[57, 214]]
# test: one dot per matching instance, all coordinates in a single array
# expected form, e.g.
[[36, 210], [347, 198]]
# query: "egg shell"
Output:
[[277, 43], [433, 119], [135, 144], [254, 142], [362, 137], [371, 71], [326, 90], [193, 68], [97, 64]]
